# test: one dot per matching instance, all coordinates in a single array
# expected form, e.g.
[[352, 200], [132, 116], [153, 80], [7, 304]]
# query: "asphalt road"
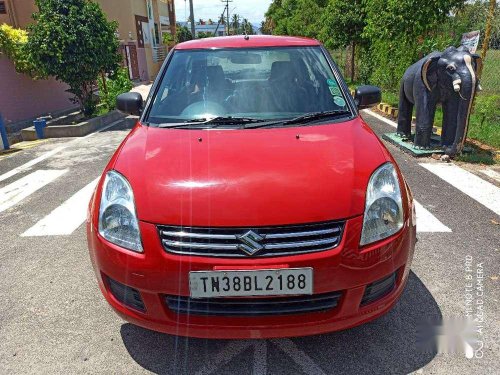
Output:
[[53, 318]]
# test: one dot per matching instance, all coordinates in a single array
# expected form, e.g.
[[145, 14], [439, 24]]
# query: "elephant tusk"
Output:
[[456, 85]]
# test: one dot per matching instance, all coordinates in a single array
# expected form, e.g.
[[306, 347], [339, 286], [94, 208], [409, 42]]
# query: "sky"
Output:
[[252, 9]]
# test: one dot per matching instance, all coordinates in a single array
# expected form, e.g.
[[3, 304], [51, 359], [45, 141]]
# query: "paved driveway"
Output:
[[53, 318]]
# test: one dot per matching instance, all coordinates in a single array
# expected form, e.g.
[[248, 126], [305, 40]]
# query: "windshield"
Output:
[[256, 83]]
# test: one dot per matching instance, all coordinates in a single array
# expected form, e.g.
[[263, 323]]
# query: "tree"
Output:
[[182, 34], [343, 24], [400, 32], [246, 27], [73, 41], [267, 26], [235, 23], [296, 17]]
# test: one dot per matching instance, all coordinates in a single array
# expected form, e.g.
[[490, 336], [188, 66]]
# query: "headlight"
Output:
[[383, 210], [117, 218]]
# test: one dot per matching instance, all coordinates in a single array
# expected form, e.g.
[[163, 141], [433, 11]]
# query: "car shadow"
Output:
[[126, 123], [388, 345]]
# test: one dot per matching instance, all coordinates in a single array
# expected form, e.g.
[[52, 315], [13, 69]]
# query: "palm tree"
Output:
[[235, 23], [247, 27]]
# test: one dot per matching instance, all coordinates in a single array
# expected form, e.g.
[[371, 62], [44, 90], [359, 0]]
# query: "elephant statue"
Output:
[[449, 78]]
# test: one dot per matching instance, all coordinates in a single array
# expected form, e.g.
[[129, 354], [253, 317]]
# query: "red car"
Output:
[[251, 200]]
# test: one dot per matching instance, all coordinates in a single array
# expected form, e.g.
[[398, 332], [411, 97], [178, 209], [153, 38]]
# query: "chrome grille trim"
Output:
[[292, 245], [226, 241], [303, 234]]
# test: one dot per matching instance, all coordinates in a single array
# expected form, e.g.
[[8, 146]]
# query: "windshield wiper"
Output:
[[219, 120], [309, 117]]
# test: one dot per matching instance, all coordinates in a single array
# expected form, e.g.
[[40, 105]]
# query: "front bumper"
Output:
[[346, 268]]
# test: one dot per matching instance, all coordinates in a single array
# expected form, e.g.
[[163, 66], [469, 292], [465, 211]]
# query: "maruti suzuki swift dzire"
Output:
[[251, 200]]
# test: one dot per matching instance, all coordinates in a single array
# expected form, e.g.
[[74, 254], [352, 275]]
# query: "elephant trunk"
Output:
[[467, 91]]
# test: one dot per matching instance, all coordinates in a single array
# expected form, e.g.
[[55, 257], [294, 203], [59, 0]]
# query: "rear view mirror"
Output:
[[246, 58], [130, 103], [367, 96]]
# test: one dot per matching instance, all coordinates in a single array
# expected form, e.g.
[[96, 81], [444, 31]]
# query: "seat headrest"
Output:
[[215, 73], [282, 70]]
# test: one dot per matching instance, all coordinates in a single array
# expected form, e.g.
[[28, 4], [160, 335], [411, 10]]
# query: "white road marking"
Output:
[[14, 193], [298, 356], [475, 187], [381, 118], [260, 358], [31, 163], [491, 174], [427, 222], [51, 153], [224, 356], [66, 218]]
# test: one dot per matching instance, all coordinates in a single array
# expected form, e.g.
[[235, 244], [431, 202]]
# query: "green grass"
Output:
[[477, 157], [490, 78]]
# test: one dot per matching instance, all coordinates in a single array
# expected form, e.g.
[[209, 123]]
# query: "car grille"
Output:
[[379, 289], [264, 241], [253, 306]]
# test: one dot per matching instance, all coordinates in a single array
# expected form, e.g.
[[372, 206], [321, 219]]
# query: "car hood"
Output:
[[253, 177]]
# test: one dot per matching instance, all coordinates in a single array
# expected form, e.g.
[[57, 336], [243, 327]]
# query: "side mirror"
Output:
[[367, 96], [130, 103]]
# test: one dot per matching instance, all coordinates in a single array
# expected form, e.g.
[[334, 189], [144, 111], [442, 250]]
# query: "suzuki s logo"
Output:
[[250, 242]]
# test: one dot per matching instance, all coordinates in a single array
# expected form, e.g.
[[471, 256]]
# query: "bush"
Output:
[[13, 44], [115, 86], [73, 41]]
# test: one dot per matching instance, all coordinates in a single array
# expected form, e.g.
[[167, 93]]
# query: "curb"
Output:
[[78, 130]]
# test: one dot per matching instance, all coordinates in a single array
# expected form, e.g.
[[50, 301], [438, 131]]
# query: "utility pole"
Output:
[[227, 10], [191, 15]]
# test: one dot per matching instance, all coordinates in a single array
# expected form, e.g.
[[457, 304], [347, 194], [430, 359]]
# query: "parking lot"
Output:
[[53, 318]]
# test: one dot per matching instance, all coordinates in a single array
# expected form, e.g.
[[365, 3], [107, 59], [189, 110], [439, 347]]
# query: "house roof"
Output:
[[239, 41]]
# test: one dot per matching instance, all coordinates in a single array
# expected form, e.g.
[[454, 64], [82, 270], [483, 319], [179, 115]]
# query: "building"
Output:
[[144, 25], [206, 27]]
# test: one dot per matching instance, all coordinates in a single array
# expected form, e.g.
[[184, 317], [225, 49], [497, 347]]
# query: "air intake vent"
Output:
[[253, 306], [233, 242], [379, 289], [126, 295], [3, 9]]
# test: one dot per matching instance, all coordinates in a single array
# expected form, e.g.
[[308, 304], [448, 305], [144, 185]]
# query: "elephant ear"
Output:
[[478, 62], [429, 69]]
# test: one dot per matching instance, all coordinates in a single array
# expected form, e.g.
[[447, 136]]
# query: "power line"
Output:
[[227, 10], [193, 31]]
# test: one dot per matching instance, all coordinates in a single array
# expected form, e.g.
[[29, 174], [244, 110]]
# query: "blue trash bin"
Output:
[[40, 124]]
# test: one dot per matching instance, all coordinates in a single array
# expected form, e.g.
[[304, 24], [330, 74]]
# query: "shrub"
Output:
[[13, 44], [73, 41], [115, 86]]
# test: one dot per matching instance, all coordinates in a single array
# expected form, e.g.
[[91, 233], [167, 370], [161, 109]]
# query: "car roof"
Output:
[[239, 41]]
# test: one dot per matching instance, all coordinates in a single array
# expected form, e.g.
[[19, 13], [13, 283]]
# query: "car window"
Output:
[[261, 83]]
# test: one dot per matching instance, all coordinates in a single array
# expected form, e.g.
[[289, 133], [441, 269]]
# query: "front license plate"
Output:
[[275, 282]]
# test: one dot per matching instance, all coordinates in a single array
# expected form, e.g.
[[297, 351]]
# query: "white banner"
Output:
[[471, 40]]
